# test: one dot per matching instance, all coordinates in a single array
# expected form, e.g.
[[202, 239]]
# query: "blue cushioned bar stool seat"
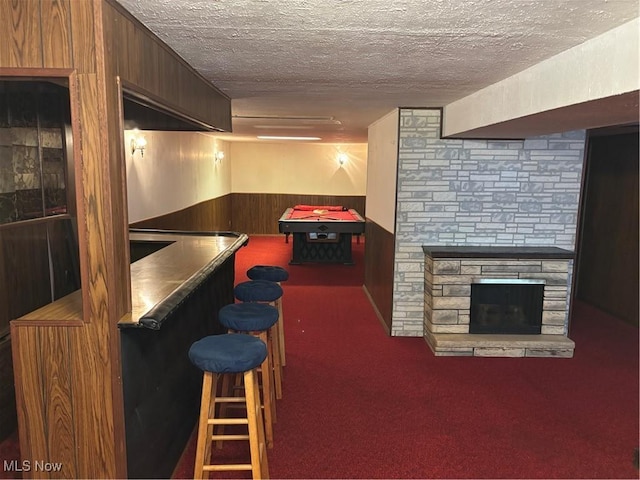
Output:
[[224, 354], [271, 273], [277, 274], [265, 291], [257, 291], [257, 319]]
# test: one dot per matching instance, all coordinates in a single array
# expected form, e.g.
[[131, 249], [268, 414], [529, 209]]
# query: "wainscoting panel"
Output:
[[258, 213], [378, 270], [209, 216]]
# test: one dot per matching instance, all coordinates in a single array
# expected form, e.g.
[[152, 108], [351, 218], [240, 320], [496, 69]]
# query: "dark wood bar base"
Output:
[[161, 386]]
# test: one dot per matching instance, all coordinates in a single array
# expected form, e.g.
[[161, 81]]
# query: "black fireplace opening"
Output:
[[509, 306]]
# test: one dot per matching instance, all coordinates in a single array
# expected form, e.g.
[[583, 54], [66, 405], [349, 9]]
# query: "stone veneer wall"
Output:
[[476, 192]]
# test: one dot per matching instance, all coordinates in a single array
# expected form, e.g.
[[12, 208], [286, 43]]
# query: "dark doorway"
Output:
[[607, 263]]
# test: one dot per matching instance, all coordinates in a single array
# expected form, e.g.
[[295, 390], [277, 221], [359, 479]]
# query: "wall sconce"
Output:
[[342, 158], [138, 143], [218, 156]]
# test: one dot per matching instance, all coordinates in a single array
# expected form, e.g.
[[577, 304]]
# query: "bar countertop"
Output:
[[160, 280]]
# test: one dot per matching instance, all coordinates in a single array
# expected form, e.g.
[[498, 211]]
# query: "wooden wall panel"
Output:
[[94, 420], [250, 213], [8, 418], [87, 36], [25, 260], [56, 33], [258, 213], [82, 36], [30, 402], [212, 215], [117, 186], [25, 276], [98, 422], [378, 270], [150, 68], [5, 315], [58, 394], [20, 46]]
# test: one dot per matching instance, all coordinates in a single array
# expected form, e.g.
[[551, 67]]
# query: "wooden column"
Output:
[[67, 363]]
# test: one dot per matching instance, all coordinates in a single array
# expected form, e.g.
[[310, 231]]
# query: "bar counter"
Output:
[[179, 282], [161, 280], [175, 262]]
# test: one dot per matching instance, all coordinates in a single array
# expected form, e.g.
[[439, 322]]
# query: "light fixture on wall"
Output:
[[342, 158], [218, 156], [138, 142]]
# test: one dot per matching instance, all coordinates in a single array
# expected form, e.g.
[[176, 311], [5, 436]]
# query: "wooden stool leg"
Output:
[[259, 461], [205, 429], [268, 396], [276, 360], [283, 360]]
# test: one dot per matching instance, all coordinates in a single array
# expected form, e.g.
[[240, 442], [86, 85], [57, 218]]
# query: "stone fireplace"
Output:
[[451, 273]]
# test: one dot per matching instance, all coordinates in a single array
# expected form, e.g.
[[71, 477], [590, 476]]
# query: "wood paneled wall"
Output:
[[212, 215], [68, 371], [250, 213], [8, 418], [258, 213], [378, 271], [152, 70]]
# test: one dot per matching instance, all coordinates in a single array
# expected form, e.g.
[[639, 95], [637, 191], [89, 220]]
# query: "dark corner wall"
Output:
[[607, 263]]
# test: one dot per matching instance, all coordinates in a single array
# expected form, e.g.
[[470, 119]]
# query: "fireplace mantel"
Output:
[[451, 270], [497, 252]]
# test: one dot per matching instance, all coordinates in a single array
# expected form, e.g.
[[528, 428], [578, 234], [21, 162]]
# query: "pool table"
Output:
[[321, 233]]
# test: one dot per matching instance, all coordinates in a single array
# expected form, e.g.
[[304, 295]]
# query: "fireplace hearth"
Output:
[[497, 301]]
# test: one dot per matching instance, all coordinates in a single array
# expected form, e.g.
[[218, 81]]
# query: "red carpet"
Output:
[[360, 404]]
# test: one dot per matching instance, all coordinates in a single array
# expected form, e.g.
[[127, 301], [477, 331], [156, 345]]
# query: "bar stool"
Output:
[[264, 291], [257, 319], [277, 274], [230, 354]]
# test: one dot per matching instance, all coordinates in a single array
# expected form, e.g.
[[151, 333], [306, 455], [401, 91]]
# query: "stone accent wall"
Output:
[[476, 192]]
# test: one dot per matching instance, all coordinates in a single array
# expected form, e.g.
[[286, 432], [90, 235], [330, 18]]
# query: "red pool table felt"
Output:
[[322, 213]]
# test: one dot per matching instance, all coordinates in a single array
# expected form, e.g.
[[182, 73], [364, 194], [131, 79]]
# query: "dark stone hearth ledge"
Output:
[[497, 252]]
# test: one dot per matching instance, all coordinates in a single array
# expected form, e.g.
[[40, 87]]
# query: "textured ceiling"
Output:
[[339, 65]]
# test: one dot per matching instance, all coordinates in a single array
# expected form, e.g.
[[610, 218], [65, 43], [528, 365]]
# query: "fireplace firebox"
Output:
[[506, 306]]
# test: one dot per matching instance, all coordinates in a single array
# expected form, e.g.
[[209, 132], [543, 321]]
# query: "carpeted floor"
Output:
[[360, 404]]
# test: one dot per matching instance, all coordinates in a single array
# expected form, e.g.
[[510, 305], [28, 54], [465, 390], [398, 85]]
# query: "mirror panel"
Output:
[[35, 120]]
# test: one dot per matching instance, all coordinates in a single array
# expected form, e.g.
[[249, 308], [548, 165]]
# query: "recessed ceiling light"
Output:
[[273, 137], [284, 127]]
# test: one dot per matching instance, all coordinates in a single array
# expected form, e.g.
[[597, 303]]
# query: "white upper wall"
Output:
[[298, 168], [176, 171], [382, 171], [602, 67]]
